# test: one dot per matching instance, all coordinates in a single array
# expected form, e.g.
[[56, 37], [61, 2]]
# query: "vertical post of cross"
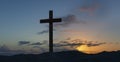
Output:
[[51, 31]]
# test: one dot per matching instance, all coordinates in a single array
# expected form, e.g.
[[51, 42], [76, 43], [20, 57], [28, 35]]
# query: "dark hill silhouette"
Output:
[[64, 56]]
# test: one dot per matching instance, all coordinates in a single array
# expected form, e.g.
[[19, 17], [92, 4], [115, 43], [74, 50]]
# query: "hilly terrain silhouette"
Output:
[[64, 56]]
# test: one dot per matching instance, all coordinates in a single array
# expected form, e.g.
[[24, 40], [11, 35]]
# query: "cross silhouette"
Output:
[[50, 21]]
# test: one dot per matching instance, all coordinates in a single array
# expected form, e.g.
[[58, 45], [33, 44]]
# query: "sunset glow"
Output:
[[90, 26], [86, 49]]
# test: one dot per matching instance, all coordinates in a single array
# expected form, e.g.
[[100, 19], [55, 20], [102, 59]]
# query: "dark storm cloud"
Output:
[[23, 42]]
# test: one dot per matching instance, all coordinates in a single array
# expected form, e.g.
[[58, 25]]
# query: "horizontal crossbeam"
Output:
[[48, 20]]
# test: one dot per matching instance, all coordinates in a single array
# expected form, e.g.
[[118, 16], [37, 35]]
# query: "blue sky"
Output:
[[19, 21]]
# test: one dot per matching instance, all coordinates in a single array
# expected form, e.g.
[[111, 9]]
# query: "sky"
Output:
[[89, 26]]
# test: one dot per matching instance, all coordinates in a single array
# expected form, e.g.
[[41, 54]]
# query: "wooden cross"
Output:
[[50, 21]]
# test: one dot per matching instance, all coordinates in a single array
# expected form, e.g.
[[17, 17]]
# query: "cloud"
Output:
[[95, 44], [5, 50], [61, 45], [37, 43], [42, 49], [68, 20], [44, 32], [89, 8], [78, 42], [68, 38], [24, 42], [93, 8], [67, 44], [36, 46]]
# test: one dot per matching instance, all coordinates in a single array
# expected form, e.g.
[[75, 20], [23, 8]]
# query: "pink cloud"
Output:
[[91, 9]]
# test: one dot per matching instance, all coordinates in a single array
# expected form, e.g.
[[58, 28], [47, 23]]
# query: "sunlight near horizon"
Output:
[[86, 49]]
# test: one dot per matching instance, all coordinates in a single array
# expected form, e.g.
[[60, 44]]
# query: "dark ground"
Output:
[[65, 56]]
